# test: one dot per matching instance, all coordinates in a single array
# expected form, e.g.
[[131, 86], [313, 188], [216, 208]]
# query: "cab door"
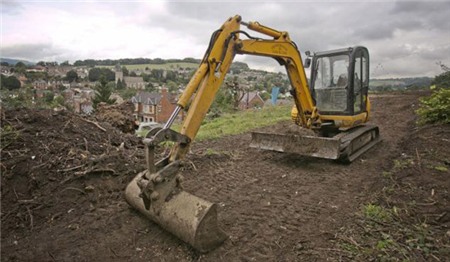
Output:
[[360, 80]]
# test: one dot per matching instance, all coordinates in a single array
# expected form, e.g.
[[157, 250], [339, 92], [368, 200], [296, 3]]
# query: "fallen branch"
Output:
[[91, 171], [75, 189], [441, 216], [94, 123], [71, 169], [86, 144], [31, 217], [86, 172], [27, 201]]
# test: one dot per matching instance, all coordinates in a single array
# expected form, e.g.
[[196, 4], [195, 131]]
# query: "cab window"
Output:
[[331, 82]]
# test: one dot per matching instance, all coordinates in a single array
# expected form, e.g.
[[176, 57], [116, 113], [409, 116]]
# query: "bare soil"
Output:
[[63, 179]]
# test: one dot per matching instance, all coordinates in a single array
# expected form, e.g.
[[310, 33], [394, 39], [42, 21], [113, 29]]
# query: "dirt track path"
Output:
[[275, 207]]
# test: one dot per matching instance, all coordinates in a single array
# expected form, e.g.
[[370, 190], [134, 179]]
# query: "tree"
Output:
[[49, 97], [20, 67], [121, 84], [125, 71], [237, 92], [65, 63], [171, 75], [41, 63], [222, 103], [72, 76], [103, 93], [265, 96], [442, 80], [9, 82], [96, 72]]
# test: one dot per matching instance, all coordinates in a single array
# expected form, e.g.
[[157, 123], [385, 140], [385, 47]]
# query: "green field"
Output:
[[166, 66]]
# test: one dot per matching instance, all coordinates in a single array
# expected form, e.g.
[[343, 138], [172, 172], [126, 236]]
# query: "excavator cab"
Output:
[[340, 81], [338, 86]]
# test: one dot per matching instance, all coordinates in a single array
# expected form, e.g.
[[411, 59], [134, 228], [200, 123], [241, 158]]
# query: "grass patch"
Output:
[[241, 122]]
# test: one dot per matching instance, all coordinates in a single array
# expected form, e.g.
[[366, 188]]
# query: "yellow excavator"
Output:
[[335, 105]]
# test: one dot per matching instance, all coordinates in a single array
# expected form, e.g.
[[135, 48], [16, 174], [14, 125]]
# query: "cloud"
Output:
[[34, 52], [405, 37], [11, 7]]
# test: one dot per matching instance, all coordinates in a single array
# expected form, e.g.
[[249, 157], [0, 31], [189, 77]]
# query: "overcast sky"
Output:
[[404, 38]]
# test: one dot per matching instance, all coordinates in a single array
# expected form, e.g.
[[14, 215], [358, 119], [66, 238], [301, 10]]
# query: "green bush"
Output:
[[435, 108]]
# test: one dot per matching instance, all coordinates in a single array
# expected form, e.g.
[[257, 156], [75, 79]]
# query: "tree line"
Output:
[[133, 61]]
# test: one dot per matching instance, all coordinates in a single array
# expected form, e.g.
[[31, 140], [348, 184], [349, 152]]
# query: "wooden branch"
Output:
[[94, 123]]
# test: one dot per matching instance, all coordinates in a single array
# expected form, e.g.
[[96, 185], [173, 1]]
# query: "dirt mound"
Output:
[[119, 116], [48, 158]]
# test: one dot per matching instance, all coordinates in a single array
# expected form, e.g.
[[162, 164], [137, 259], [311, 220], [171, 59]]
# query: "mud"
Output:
[[63, 180]]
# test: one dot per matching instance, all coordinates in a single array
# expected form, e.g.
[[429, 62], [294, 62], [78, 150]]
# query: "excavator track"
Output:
[[356, 141]]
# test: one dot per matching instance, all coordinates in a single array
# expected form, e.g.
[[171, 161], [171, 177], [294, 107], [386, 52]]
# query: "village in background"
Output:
[[152, 85]]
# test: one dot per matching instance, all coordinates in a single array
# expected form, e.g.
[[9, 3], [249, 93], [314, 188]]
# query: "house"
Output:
[[37, 68], [61, 71], [40, 84], [251, 100], [154, 107]]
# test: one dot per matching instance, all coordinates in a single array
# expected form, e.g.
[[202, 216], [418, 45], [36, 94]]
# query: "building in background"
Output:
[[154, 107]]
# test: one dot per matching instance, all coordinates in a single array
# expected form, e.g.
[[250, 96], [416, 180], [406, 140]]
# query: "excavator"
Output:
[[334, 104]]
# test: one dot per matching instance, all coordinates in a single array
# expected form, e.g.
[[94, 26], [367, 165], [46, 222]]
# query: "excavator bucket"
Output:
[[157, 193], [345, 146], [188, 217]]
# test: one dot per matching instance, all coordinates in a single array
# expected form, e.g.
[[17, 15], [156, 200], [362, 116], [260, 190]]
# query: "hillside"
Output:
[[63, 179], [13, 61], [395, 84]]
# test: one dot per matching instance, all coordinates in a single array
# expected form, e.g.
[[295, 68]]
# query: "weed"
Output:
[[402, 163], [377, 213], [385, 243], [211, 152], [435, 108], [8, 135], [353, 249], [441, 168], [386, 174]]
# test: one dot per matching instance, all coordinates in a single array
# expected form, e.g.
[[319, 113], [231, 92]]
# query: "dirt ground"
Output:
[[63, 179]]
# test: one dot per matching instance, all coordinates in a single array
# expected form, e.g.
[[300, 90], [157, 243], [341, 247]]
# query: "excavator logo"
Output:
[[279, 49]]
